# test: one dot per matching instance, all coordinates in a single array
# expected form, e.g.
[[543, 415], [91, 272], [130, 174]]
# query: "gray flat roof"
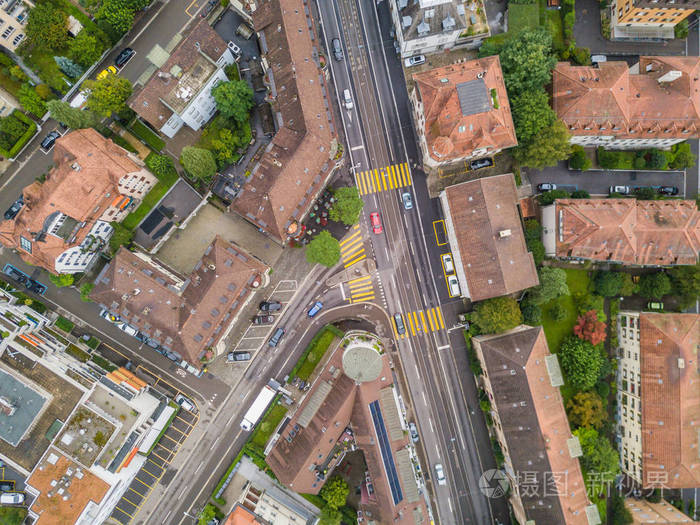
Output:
[[27, 404], [473, 97]]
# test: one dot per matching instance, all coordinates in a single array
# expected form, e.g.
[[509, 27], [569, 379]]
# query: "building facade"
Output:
[[13, 18], [648, 19]]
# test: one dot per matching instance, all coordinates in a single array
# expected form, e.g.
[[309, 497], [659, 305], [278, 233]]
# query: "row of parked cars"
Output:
[[621, 190]]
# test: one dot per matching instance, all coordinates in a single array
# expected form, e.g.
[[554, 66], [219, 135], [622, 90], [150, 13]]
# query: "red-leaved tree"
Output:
[[589, 328]]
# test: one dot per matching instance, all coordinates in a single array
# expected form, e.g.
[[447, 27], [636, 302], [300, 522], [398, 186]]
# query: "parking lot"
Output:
[[155, 466]]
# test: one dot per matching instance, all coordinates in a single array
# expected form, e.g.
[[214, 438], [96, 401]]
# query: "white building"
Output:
[[13, 18]]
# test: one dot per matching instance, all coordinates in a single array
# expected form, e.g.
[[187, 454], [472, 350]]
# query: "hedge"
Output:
[[22, 141], [103, 363], [140, 130], [320, 342], [79, 354], [165, 427]]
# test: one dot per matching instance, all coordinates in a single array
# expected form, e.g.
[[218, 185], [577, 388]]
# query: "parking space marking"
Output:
[[438, 240], [142, 483], [127, 499], [171, 439], [124, 512]]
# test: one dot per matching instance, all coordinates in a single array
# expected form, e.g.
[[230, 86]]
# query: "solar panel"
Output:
[[385, 448], [473, 97]]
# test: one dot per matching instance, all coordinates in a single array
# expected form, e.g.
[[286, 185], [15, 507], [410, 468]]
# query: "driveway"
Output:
[[598, 182]]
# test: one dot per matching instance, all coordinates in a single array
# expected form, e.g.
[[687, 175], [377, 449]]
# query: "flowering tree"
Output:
[[589, 328]]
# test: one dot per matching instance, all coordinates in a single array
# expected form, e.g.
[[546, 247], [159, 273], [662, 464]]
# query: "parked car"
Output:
[[400, 327], [50, 139], [6, 485], [13, 272], [128, 329], [347, 99], [480, 163], [376, 222], [276, 337], [622, 190], [11, 498], [453, 286], [414, 431], [447, 263], [263, 319], [337, 49], [124, 56], [238, 356], [546, 186], [315, 309], [104, 314], [414, 61], [407, 200], [598, 58], [35, 286], [668, 190], [440, 474], [109, 69], [270, 306], [655, 305], [211, 4], [13, 210], [184, 402]]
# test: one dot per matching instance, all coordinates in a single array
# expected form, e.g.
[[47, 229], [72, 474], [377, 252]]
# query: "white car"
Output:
[[414, 61], [128, 329], [622, 190], [440, 474], [453, 285], [347, 99], [447, 263]]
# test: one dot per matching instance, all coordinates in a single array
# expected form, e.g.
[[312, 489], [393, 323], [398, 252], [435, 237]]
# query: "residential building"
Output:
[[658, 402], [271, 506], [486, 238], [648, 19], [13, 19], [179, 91], [522, 380], [663, 512], [429, 26], [655, 103], [8, 103], [461, 112], [65, 220], [185, 315], [352, 405], [302, 154], [240, 515], [623, 231]]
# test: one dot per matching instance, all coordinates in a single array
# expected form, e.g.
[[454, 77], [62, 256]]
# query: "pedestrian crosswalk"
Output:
[[360, 289], [382, 179], [421, 322], [352, 248]]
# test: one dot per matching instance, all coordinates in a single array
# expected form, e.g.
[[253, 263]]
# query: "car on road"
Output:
[[347, 99], [447, 263], [211, 4], [13, 272], [546, 186], [11, 498], [13, 210], [263, 319], [414, 61], [440, 474], [35, 286], [184, 402], [376, 222], [276, 337], [480, 163], [104, 314], [238, 356], [453, 286], [622, 190], [668, 190], [337, 49], [106, 71], [6, 485], [315, 309], [655, 305], [414, 431], [123, 57], [400, 327], [270, 306], [50, 140], [407, 200]]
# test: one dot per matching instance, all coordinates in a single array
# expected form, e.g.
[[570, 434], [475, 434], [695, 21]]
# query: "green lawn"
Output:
[[64, 324], [152, 140], [315, 352], [557, 331], [556, 28], [268, 425], [135, 217], [522, 16]]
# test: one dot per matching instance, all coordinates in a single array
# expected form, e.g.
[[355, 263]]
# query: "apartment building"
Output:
[[13, 18], [658, 402], [648, 19]]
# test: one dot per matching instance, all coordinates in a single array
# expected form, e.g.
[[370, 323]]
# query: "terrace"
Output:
[[85, 435]]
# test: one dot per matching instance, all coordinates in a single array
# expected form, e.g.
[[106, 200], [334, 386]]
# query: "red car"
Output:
[[376, 223]]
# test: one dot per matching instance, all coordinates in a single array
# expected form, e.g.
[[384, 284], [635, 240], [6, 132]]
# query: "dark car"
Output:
[[35, 286], [263, 319], [400, 327], [270, 306], [668, 190], [7, 485], [238, 356], [15, 273], [276, 337], [480, 163], [50, 140], [124, 57], [337, 49], [209, 7], [13, 210]]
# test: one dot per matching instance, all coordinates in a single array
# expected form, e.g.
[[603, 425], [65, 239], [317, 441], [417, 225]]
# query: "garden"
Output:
[[678, 157], [16, 129], [163, 168]]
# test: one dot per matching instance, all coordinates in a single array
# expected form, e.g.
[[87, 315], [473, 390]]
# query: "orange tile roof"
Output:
[[453, 128], [242, 516], [670, 399], [662, 513], [629, 231], [609, 100]]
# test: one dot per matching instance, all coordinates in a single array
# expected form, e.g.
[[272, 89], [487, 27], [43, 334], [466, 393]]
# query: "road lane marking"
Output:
[[424, 401], [355, 148]]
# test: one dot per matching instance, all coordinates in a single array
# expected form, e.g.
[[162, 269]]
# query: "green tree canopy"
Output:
[[585, 409], [548, 197], [527, 61], [119, 14], [160, 165], [531, 114], [598, 454], [607, 283], [582, 362], [330, 516], [207, 514], [234, 99], [532, 313], [685, 283], [546, 149], [654, 285], [497, 315], [579, 160], [74, 118], [323, 249], [347, 206], [47, 26], [31, 101], [580, 194], [62, 279], [335, 492], [85, 49], [682, 156], [198, 162], [552, 285], [108, 95]]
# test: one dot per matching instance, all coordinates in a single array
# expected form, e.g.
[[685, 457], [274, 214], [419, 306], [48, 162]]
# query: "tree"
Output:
[[645, 194], [531, 114], [30, 100], [685, 283], [329, 516], [234, 99], [549, 147], [43, 90], [585, 409], [85, 49], [682, 156], [225, 147], [347, 207], [589, 328], [335, 492], [47, 26], [536, 247], [108, 95], [532, 313], [580, 194], [497, 315], [599, 456], [628, 287], [18, 73], [323, 249], [680, 30], [621, 515], [552, 285], [655, 285], [62, 279], [208, 513], [578, 159], [527, 61], [117, 13], [160, 165], [198, 162], [85, 292], [608, 284], [548, 197], [558, 311], [589, 301], [657, 159], [581, 361], [122, 236], [74, 118], [69, 67]]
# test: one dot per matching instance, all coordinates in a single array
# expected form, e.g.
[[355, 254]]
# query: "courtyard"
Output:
[[85, 436]]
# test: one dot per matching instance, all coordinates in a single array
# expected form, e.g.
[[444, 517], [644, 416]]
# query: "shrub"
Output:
[[85, 292], [64, 324], [580, 194], [11, 145], [657, 160], [548, 197], [681, 29], [655, 285], [532, 313], [608, 284], [578, 159], [581, 361], [162, 166], [494, 316], [558, 311], [582, 56]]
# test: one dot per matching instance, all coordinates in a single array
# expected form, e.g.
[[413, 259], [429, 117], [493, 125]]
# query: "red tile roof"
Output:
[[670, 399], [609, 100], [242, 516], [629, 231], [454, 128]]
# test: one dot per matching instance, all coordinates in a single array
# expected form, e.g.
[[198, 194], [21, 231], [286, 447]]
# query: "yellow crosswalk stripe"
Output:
[[352, 237], [360, 189], [415, 320], [355, 260], [369, 286], [351, 254], [363, 294], [370, 182], [378, 187], [357, 244], [410, 322], [388, 176], [408, 174], [393, 176], [400, 175], [365, 278], [430, 320], [361, 299], [381, 176], [442, 322], [422, 318]]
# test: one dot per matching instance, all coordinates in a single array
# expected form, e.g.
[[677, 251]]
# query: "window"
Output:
[[8, 32], [25, 244]]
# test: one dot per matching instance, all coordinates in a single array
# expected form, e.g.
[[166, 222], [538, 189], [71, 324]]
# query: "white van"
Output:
[[11, 498], [347, 99]]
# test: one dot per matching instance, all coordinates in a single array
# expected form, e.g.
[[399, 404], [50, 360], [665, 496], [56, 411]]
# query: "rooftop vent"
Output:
[[448, 23], [670, 76], [504, 233], [406, 22]]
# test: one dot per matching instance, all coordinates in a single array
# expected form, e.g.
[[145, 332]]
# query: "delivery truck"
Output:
[[258, 408]]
